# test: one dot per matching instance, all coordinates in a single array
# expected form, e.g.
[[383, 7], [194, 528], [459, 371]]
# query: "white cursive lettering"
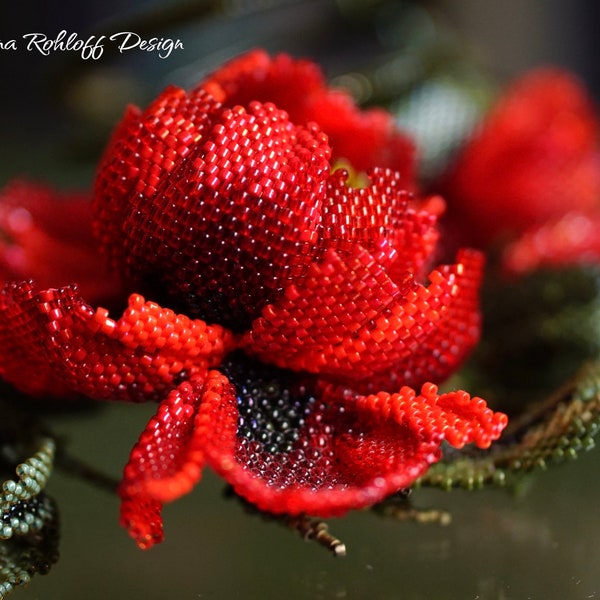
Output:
[[8, 45], [90, 48], [130, 40]]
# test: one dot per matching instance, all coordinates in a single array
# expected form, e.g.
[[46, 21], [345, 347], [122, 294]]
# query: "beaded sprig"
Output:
[[21, 510], [551, 432], [28, 519]]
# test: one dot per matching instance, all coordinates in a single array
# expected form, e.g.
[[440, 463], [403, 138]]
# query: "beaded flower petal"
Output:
[[365, 138], [223, 210], [350, 322], [289, 447], [52, 342], [291, 315]]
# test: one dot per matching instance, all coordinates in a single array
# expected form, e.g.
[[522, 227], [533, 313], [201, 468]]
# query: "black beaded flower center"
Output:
[[273, 403]]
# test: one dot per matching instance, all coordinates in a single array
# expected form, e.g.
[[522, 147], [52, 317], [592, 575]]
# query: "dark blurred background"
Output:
[[66, 106]]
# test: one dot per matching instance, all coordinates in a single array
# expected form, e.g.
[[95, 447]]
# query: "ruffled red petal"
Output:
[[348, 321], [47, 236], [255, 75], [141, 516], [535, 158], [289, 451], [366, 138], [351, 453], [53, 343], [453, 416], [164, 464]]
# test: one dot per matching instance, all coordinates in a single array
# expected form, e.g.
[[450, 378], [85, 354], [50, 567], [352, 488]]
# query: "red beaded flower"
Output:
[[535, 160], [329, 316]]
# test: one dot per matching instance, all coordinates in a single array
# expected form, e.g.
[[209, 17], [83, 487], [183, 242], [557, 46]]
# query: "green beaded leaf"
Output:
[[29, 528], [23, 556]]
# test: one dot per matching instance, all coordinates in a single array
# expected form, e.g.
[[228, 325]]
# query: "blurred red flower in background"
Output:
[[529, 179], [48, 237]]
